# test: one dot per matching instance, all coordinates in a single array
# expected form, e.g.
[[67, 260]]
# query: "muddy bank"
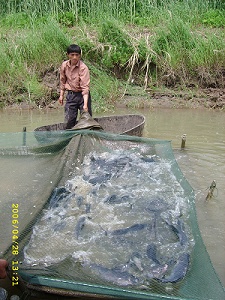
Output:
[[132, 96], [202, 98]]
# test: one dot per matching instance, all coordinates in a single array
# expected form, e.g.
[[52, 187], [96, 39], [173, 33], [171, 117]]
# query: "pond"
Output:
[[201, 161]]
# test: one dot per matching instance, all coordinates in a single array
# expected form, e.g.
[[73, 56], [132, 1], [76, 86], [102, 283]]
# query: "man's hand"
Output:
[[61, 100], [61, 96], [3, 266], [85, 108]]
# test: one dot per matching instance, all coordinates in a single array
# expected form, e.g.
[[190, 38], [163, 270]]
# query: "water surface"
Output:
[[202, 160]]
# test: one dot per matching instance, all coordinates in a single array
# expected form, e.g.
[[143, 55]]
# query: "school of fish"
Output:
[[122, 220]]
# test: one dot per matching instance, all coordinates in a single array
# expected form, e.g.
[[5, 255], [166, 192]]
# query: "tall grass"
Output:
[[27, 54], [131, 10], [105, 89], [183, 54], [149, 42]]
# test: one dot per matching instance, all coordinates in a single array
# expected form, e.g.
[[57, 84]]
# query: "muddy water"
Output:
[[202, 160]]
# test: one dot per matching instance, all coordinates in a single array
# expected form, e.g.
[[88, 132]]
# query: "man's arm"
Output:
[[85, 107], [62, 84], [85, 85]]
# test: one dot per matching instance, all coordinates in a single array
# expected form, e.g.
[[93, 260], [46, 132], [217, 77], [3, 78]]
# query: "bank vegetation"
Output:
[[152, 44]]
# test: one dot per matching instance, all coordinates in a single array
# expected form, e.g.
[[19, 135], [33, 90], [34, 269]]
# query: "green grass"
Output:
[[128, 10], [28, 53], [24, 54], [147, 42], [105, 89]]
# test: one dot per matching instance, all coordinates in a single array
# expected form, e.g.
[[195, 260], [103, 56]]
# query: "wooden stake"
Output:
[[24, 136], [183, 141]]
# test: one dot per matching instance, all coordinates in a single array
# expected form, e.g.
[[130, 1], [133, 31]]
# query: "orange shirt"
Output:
[[75, 77]]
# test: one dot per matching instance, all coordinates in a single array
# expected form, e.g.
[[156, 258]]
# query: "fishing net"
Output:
[[101, 215]]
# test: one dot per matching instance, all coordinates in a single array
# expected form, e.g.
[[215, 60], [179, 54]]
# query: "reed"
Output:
[[182, 51], [131, 10], [149, 41]]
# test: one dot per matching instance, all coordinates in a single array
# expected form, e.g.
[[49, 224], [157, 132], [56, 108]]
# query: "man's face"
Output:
[[74, 57]]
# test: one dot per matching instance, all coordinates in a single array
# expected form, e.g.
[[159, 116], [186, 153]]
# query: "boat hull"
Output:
[[118, 124]]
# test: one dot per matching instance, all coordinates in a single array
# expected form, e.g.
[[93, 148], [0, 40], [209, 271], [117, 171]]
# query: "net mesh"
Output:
[[102, 214]]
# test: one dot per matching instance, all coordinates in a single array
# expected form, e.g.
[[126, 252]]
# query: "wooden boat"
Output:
[[130, 124]]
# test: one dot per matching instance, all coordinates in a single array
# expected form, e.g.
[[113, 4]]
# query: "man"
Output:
[[75, 79]]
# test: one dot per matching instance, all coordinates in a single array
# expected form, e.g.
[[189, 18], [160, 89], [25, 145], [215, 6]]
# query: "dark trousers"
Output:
[[75, 102]]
